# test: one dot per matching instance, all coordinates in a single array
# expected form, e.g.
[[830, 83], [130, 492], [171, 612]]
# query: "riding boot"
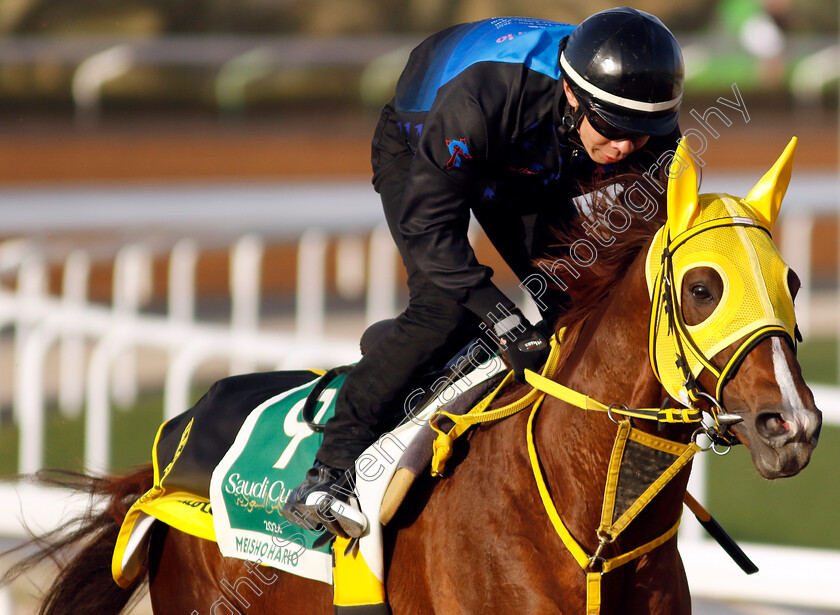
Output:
[[326, 500]]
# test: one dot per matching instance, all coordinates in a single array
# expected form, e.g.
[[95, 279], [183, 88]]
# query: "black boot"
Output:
[[325, 500]]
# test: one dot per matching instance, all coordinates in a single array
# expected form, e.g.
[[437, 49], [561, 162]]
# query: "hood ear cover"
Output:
[[764, 199], [767, 195]]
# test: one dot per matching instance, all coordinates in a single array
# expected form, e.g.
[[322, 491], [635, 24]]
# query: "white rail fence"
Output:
[[98, 345], [115, 332]]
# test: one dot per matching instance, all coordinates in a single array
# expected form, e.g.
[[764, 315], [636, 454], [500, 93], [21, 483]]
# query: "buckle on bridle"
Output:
[[619, 408], [721, 439], [597, 559]]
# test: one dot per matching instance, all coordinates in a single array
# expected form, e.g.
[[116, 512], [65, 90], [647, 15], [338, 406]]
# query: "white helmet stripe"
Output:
[[627, 103]]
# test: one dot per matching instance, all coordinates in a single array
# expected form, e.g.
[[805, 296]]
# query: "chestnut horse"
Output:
[[479, 540]]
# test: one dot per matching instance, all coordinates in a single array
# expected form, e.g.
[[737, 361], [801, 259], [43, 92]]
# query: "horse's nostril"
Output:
[[771, 425]]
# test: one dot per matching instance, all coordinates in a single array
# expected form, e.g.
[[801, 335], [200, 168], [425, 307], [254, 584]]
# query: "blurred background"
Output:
[[184, 194]]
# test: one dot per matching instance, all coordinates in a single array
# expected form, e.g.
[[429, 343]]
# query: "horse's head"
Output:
[[723, 329]]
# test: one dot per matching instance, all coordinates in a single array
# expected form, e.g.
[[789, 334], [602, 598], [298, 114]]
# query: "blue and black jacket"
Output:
[[480, 109]]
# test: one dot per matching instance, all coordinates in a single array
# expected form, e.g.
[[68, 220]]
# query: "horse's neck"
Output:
[[609, 358], [609, 362]]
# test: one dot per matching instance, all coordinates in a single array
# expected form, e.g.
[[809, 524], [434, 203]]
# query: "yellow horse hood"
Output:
[[732, 236]]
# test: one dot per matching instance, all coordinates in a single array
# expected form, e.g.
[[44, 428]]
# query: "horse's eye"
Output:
[[701, 293]]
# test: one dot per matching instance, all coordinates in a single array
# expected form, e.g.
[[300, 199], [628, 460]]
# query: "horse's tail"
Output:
[[84, 584]]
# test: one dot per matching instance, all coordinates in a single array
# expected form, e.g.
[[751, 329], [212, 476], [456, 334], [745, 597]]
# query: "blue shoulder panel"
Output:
[[513, 40]]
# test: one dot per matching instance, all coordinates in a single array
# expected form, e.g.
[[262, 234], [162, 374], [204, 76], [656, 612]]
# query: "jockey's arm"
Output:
[[454, 151]]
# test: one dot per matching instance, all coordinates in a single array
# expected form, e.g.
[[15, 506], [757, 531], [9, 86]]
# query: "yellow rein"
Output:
[[542, 385]]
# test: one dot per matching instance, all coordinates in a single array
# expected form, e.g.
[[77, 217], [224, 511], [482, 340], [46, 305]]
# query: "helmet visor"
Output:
[[605, 129], [622, 122]]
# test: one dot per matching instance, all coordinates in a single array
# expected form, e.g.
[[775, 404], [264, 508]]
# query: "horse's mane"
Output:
[[595, 281]]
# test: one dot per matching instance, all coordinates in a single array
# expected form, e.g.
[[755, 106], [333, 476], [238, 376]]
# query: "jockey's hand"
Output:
[[522, 345]]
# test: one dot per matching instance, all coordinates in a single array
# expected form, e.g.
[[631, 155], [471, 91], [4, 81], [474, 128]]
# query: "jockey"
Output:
[[504, 118]]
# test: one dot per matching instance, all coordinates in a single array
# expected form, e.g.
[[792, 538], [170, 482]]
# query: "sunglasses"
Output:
[[606, 130]]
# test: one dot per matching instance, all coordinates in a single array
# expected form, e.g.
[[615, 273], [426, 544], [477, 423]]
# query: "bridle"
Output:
[[665, 305], [755, 305]]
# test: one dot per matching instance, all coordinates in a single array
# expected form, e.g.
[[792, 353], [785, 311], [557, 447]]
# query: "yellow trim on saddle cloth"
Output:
[[183, 511], [353, 582]]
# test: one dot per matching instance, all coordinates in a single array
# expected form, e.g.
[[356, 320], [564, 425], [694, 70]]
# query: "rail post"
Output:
[[31, 290], [245, 277], [132, 287], [74, 290], [382, 280], [311, 285]]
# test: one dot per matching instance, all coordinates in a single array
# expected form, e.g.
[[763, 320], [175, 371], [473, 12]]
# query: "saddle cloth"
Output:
[[252, 474]]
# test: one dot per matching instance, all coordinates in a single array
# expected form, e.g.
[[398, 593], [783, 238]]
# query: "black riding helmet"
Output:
[[625, 66]]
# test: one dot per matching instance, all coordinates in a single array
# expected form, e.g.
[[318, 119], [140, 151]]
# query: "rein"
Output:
[[542, 386]]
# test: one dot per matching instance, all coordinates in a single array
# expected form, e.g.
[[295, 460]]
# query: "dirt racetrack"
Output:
[[38, 149]]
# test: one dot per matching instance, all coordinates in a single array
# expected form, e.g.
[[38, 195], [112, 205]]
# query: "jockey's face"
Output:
[[599, 148]]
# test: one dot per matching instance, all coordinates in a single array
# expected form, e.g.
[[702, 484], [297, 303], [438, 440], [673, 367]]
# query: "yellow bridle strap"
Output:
[[581, 557], [542, 386], [563, 393], [478, 415], [584, 560], [579, 400], [695, 230], [442, 446], [619, 560]]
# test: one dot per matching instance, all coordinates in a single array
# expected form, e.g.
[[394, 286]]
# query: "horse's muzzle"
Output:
[[786, 439]]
